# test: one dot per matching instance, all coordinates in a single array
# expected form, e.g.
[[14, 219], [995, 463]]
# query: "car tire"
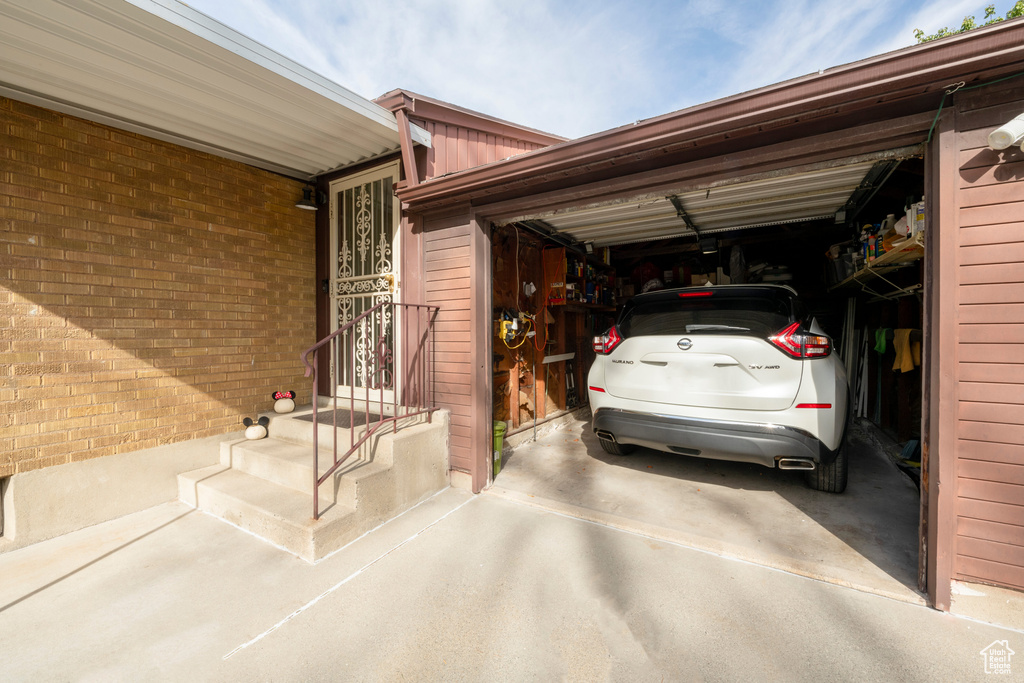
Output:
[[831, 478], [615, 448]]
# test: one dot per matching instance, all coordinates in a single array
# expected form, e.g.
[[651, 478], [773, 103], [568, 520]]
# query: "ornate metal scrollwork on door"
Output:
[[365, 277]]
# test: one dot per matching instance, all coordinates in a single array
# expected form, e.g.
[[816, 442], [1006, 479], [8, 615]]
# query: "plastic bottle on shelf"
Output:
[[919, 217]]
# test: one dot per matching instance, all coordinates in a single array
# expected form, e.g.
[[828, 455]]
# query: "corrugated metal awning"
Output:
[[162, 69], [767, 201]]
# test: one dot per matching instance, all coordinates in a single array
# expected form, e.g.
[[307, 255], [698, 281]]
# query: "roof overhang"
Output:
[[905, 86], [162, 69], [430, 109]]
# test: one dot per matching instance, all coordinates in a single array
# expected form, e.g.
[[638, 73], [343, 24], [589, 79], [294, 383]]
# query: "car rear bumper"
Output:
[[759, 443]]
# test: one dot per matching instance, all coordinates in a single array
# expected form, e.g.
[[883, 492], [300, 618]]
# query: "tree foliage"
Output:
[[971, 23]]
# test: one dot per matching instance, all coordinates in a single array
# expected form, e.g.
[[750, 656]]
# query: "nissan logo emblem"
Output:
[[684, 344]]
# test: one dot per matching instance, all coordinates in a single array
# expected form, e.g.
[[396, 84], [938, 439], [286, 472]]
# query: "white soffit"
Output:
[[160, 68], [782, 199]]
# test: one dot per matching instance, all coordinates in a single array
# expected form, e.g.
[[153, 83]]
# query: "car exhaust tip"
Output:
[[795, 464], [607, 436]]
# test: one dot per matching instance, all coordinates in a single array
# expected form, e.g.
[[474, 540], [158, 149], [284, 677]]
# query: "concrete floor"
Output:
[[460, 588], [865, 538]]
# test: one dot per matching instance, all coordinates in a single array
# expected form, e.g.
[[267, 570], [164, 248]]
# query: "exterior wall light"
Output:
[[1010, 134], [307, 202]]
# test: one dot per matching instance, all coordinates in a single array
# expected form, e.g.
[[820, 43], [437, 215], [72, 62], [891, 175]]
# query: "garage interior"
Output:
[[849, 238]]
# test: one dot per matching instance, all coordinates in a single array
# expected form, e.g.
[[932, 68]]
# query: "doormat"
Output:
[[326, 417]]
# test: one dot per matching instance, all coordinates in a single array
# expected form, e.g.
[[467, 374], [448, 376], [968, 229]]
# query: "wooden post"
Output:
[[940, 424]]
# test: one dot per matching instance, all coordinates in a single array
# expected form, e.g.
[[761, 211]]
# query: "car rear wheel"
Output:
[[615, 448], [831, 478]]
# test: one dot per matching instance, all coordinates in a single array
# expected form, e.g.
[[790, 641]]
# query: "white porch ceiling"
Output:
[[160, 68], [784, 199]]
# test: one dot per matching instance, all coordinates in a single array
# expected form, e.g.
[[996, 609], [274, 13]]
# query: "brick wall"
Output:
[[149, 294]]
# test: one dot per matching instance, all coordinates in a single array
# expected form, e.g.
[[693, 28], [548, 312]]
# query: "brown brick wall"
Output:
[[149, 294]]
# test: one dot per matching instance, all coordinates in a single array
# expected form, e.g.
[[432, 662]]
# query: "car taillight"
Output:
[[798, 344], [607, 342]]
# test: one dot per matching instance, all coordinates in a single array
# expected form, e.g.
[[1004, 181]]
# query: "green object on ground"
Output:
[[499, 437]]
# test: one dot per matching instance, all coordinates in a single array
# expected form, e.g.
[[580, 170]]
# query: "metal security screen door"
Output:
[[364, 244]]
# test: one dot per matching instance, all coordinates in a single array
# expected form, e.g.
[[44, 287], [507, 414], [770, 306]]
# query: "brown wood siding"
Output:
[[447, 262], [456, 148], [989, 541]]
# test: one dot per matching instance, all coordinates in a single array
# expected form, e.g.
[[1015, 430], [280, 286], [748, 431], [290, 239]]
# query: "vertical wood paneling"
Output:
[[990, 334], [431, 171], [474, 149], [440, 150], [490, 151], [461, 156], [457, 148], [452, 149]]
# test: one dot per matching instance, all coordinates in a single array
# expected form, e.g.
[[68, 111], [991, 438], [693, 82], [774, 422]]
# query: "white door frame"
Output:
[[365, 272]]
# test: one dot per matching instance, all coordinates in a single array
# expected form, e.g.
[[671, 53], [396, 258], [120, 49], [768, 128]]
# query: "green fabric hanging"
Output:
[[880, 340]]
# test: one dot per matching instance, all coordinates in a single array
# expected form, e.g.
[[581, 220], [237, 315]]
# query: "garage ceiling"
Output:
[[162, 69], [783, 199]]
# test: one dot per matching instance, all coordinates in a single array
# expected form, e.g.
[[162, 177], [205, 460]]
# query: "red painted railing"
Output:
[[389, 342]]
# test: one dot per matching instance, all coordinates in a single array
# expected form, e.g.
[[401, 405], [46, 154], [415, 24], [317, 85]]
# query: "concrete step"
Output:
[[290, 464], [264, 486], [292, 427], [275, 513]]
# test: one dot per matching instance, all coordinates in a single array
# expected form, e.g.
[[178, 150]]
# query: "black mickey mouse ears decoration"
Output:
[[263, 421]]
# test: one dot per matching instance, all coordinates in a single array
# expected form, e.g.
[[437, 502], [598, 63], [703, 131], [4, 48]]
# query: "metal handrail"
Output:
[[417, 382]]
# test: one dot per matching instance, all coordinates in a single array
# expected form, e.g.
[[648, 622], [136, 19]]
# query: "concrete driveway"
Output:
[[461, 588], [865, 538]]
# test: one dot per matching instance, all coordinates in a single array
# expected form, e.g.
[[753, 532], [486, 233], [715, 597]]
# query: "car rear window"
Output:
[[758, 313]]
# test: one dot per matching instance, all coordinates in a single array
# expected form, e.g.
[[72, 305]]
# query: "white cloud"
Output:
[[553, 66], [575, 67], [791, 38]]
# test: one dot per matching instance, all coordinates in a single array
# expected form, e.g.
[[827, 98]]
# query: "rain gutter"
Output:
[[916, 71]]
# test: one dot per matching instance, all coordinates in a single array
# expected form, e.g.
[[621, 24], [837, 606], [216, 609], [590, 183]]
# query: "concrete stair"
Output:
[[265, 486]]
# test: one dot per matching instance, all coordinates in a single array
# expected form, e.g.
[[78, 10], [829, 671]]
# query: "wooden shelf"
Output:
[[902, 254], [559, 277]]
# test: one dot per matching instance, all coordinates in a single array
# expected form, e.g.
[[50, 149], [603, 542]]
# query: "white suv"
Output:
[[733, 372]]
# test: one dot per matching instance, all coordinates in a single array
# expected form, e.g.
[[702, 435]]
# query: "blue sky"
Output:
[[575, 67]]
